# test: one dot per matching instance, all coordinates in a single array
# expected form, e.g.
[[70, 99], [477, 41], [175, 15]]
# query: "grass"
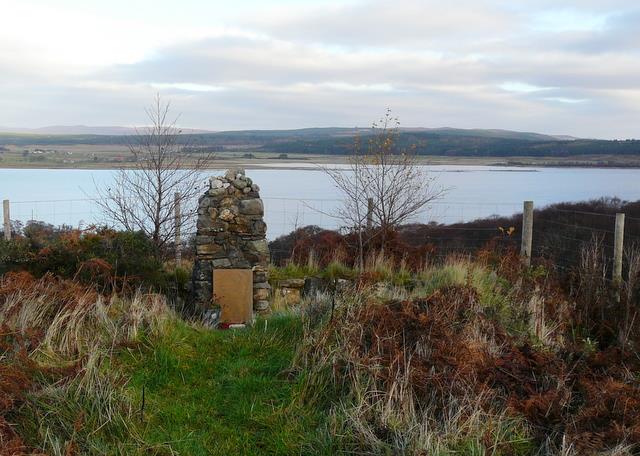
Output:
[[223, 392], [440, 373], [73, 384], [476, 360], [57, 339]]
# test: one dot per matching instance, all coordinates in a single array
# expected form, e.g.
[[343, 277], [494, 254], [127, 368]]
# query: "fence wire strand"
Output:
[[444, 223]]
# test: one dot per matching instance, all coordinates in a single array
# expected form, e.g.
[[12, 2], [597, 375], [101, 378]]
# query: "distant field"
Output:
[[89, 156], [256, 148]]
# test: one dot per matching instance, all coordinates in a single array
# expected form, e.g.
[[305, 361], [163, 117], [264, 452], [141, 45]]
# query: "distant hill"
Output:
[[84, 130], [66, 130], [491, 133], [339, 141]]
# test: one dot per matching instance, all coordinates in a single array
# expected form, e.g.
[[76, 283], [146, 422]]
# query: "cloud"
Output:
[[406, 23], [531, 65]]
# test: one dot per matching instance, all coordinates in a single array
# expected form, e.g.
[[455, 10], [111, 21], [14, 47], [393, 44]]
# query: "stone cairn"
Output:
[[231, 234]]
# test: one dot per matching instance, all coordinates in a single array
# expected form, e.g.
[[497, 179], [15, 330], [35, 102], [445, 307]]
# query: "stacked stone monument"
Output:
[[231, 234]]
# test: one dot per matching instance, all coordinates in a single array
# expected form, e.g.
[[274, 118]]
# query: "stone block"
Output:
[[223, 236], [259, 247], [261, 306], [260, 294], [240, 184], [315, 285], [252, 206], [221, 263], [204, 221], [260, 277], [259, 228], [205, 239], [291, 283], [291, 296], [240, 263], [226, 215], [241, 225], [234, 173], [228, 201], [210, 249], [216, 192], [202, 270]]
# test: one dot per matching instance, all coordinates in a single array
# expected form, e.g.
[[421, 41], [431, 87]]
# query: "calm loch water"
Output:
[[303, 197]]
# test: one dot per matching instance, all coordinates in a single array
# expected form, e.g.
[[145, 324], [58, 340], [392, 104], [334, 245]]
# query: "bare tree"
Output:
[[144, 196], [385, 178]]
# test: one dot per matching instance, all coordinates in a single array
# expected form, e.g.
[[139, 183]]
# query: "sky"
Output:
[[557, 67]]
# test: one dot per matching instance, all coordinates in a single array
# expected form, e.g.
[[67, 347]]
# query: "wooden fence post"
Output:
[[369, 213], [527, 232], [618, 253], [7, 220], [178, 223]]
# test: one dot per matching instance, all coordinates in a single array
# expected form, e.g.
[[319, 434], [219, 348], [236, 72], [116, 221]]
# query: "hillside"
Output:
[[339, 141]]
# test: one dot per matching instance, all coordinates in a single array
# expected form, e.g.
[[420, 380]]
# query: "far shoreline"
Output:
[[296, 163]]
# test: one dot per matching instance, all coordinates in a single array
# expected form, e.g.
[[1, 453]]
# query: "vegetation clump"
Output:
[[57, 339], [103, 258], [403, 352], [452, 371]]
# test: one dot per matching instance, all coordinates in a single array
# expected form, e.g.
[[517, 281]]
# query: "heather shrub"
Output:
[[481, 359], [103, 258]]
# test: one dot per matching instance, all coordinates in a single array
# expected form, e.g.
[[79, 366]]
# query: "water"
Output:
[[303, 197]]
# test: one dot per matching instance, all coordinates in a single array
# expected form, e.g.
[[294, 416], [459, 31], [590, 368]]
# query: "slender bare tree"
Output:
[[386, 178], [144, 196]]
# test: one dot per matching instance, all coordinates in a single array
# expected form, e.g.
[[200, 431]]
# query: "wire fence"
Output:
[[452, 227], [282, 214], [73, 212]]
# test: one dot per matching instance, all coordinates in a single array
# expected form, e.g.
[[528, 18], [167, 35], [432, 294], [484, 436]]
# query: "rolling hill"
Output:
[[339, 141]]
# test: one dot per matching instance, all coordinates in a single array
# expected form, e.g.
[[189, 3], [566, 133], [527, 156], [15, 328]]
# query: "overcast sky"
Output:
[[551, 66]]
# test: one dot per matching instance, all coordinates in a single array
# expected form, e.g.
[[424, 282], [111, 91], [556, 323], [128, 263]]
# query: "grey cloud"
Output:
[[274, 65], [406, 23], [215, 61], [434, 64]]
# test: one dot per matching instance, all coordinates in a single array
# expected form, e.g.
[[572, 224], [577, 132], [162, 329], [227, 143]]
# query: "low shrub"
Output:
[[103, 258], [444, 374]]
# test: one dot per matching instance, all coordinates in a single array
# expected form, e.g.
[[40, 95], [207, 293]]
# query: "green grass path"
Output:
[[223, 392]]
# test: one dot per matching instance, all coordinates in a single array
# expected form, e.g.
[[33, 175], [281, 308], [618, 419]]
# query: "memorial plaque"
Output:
[[233, 292]]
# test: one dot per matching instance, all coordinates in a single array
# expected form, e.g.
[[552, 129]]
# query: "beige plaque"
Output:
[[233, 292]]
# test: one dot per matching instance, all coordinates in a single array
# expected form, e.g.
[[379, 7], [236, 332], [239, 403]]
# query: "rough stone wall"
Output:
[[231, 234]]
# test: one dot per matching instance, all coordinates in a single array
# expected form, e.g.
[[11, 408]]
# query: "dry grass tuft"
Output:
[[56, 339], [442, 374]]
